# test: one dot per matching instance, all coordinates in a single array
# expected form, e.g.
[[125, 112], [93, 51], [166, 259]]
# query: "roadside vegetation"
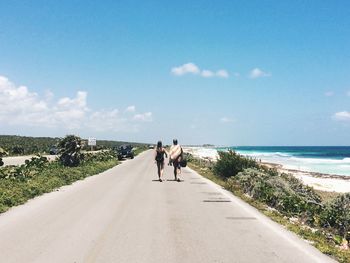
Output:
[[38, 175], [21, 145], [320, 218], [140, 149], [2, 153]]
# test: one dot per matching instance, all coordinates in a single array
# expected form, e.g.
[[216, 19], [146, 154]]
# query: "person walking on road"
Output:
[[160, 160], [175, 154]]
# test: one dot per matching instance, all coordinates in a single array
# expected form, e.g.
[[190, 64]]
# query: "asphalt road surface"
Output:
[[125, 215]]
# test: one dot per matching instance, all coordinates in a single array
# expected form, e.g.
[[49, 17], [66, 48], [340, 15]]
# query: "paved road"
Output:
[[125, 215]]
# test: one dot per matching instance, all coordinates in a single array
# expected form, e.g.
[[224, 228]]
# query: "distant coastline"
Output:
[[332, 160], [319, 180]]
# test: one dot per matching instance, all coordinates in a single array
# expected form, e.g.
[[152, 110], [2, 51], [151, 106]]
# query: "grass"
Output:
[[316, 237], [14, 192], [140, 149]]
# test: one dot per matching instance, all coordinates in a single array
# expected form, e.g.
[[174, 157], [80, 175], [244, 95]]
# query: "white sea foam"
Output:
[[321, 160], [264, 154], [319, 165]]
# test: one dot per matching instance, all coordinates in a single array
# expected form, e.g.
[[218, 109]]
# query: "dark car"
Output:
[[125, 151], [53, 150]]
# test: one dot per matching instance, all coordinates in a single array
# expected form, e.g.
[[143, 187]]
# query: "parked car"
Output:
[[125, 151], [53, 150]]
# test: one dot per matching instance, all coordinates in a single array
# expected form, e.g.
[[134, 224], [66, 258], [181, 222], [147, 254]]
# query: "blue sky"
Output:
[[222, 72]]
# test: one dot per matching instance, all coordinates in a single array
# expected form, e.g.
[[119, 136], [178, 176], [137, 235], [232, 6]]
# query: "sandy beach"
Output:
[[209, 153], [319, 181]]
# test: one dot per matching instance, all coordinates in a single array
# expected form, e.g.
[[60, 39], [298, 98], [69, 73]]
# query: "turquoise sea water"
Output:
[[325, 159]]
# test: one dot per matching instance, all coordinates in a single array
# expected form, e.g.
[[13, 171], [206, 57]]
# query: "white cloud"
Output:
[[191, 68], [188, 68], [329, 93], [226, 120], [48, 95], [207, 73], [21, 107], [222, 73], [342, 116], [110, 120], [348, 93], [79, 101], [131, 108], [258, 73], [144, 117]]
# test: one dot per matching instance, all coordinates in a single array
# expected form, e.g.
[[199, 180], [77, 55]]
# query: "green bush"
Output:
[[17, 150], [305, 192], [70, 151], [100, 156], [230, 164], [336, 214], [282, 192], [29, 169], [2, 153]]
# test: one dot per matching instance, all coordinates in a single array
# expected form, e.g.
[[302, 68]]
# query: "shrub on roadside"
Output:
[[140, 149], [17, 150], [336, 214], [2, 153], [29, 169], [282, 192], [230, 164], [70, 151], [312, 202], [100, 156]]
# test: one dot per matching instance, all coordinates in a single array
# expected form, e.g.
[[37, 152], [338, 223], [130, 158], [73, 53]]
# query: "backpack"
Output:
[[160, 156]]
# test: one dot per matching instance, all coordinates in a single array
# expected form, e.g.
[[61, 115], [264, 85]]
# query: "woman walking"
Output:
[[159, 158]]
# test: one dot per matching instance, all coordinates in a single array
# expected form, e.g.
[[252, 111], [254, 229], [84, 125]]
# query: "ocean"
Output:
[[320, 159]]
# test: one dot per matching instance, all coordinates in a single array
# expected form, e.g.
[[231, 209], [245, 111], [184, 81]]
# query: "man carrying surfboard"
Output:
[[175, 154]]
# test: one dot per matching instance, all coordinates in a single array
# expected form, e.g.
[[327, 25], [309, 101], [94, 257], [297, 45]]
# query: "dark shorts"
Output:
[[176, 164]]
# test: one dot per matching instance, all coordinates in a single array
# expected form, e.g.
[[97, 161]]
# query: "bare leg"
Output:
[[178, 172], [178, 168], [159, 170], [175, 170]]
